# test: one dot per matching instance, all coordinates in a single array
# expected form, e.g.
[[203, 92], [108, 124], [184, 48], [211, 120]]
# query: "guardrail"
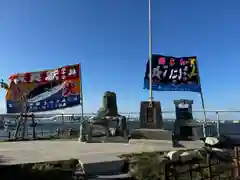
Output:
[[42, 133], [216, 117]]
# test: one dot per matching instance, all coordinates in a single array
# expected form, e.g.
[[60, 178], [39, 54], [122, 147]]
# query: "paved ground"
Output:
[[40, 151]]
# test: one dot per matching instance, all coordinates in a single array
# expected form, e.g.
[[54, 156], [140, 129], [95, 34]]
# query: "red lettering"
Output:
[[43, 76], [59, 74], [27, 77]]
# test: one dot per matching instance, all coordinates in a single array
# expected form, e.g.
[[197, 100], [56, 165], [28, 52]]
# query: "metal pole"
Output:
[[81, 129], [203, 104], [218, 124], [205, 115], [150, 48]]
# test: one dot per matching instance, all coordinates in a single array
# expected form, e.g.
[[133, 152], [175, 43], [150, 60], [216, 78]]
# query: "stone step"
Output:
[[157, 134], [101, 164], [117, 176], [111, 139], [104, 177]]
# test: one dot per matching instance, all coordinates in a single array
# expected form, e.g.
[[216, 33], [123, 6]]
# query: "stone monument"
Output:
[[106, 115], [185, 127], [151, 123], [151, 117]]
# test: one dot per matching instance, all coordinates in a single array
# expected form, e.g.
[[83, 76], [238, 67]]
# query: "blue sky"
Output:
[[110, 39]]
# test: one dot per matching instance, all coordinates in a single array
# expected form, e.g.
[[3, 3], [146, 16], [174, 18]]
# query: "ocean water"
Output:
[[46, 128]]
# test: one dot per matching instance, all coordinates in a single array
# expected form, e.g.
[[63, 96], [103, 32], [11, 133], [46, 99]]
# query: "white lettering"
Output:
[[63, 73], [36, 77], [173, 74], [185, 73], [72, 72], [176, 74], [180, 74], [19, 79], [156, 73], [52, 75]]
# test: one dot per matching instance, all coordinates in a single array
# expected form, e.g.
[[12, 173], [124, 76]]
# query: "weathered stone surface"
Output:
[[179, 161], [108, 106], [211, 141], [185, 127], [111, 139], [154, 134], [174, 155], [191, 155], [43, 151], [114, 177], [106, 114], [99, 164], [151, 117], [184, 156]]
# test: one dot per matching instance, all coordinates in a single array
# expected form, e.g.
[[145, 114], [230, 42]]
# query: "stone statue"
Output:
[[185, 125], [108, 106], [108, 112]]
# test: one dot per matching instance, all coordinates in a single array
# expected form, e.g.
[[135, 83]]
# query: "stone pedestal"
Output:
[[151, 117], [185, 127], [151, 123]]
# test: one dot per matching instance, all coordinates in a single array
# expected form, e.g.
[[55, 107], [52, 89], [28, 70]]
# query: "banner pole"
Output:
[[150, 49], [81, 102], [202, 101], [205, 116]]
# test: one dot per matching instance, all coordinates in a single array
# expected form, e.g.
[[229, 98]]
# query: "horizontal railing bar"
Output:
[[166, 111]]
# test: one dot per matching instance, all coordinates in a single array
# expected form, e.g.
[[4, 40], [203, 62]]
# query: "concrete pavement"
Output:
[[46, 151]]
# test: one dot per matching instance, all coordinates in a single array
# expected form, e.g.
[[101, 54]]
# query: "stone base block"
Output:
[[156, 134], [104, 139], [100, 164]]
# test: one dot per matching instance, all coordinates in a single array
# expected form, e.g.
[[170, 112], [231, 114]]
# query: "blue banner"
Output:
[[173, 74], [48, 104]]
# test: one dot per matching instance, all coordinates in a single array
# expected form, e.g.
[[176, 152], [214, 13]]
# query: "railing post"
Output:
[[237, 166], [9, 135], [209, 163], [218, 123], [166, 172], [62, 118]]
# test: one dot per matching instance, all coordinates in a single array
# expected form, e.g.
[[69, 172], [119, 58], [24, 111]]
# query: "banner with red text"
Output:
[[173, 74], [44, 90]]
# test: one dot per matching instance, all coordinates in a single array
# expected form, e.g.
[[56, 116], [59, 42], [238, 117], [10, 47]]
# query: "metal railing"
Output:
[[221, 120]]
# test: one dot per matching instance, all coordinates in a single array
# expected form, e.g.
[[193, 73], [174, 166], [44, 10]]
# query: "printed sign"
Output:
[[173, 74], [44, 90]]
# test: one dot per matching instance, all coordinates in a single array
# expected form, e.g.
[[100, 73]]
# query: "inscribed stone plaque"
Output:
[[151, 117]]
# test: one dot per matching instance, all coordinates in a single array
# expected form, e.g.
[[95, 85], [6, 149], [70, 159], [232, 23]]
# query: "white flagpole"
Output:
[[205, 115], [81, 102], [203, 103], [150, 49]]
